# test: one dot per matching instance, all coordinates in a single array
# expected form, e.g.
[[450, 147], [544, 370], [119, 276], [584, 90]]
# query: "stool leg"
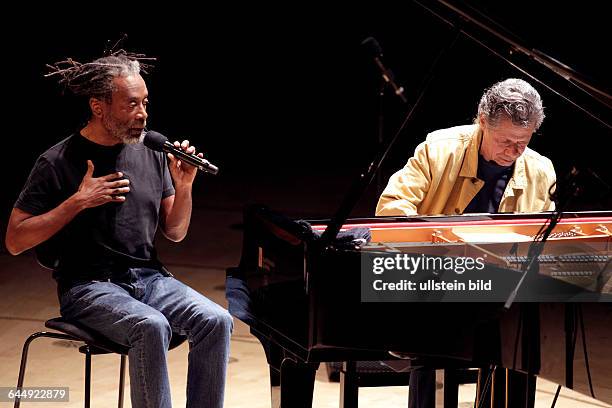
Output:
[[24, 356], [121, 380], [87, 378], [22, 367]]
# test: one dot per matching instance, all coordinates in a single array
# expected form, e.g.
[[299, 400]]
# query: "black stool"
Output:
[[94, 344]]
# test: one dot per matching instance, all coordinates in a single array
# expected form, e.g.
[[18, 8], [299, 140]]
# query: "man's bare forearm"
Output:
[[22, 235], [177, 221]]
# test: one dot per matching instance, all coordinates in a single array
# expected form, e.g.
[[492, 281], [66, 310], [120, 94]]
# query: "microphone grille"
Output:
[[154, 140], [372, 46]]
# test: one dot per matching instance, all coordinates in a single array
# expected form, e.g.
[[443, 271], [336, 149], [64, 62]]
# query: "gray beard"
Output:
[[124, 137], [129, 139]]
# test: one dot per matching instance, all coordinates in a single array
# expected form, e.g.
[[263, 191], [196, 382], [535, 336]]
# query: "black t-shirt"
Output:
[[100, 242], [489, 196]]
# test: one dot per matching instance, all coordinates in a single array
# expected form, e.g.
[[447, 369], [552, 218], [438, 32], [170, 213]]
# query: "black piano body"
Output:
[[303, 302]]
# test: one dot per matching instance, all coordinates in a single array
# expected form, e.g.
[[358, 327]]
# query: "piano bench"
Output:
[[370, 374], [353, 375]]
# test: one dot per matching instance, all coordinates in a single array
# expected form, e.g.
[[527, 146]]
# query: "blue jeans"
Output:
[[141, 312]]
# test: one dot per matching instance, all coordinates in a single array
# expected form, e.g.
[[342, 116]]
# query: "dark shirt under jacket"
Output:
[[496, 179]]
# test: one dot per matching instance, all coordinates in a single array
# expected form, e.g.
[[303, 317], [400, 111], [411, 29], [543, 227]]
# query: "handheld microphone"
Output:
[[374, 48], [158, 142]]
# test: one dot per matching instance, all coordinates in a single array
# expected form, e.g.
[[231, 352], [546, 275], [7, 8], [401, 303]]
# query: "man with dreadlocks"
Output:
[[93, 202]]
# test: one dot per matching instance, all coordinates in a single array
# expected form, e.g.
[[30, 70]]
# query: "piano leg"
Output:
[[275, 387], [291, 381], [520, 389], [274, 355], [447, 386], [296, 384], [439, 388], [447, 389], [422, 389], [349, 385]]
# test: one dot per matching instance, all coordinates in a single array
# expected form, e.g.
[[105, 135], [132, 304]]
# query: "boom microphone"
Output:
[[375, 50]]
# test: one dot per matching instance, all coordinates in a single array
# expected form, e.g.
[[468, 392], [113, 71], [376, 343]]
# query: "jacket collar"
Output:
[[469, 167], [519, 177]]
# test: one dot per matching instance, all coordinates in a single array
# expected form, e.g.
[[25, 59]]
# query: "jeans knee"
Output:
[[224, 321], [219, 322], [154, 326]]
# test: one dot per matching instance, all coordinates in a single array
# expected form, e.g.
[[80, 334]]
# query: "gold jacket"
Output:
[[441, 178]]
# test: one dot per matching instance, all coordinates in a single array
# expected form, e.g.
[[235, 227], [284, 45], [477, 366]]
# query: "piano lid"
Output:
[[543, 67]]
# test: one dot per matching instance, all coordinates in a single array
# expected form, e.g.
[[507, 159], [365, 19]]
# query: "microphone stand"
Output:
[[531, 350], [381, 130], [388, 78], [531, 264], [367, 175]]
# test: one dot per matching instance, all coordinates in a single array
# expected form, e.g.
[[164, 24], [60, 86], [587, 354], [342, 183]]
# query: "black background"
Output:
[[276, 93]]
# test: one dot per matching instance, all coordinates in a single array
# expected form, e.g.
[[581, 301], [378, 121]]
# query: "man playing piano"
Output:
[[485, 167], [481, 168]]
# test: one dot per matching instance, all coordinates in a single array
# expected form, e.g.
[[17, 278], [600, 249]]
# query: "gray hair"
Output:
[[514, 99], [95, 79]]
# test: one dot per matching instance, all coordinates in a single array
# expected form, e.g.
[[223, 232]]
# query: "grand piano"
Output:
[[304, 302], [298, 287]]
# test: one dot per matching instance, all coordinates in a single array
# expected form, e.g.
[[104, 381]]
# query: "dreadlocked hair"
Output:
[[95, 79]]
